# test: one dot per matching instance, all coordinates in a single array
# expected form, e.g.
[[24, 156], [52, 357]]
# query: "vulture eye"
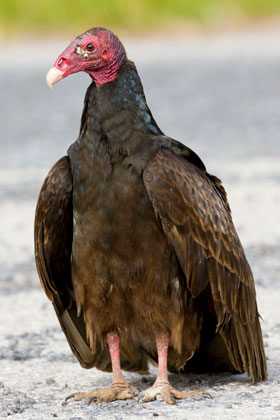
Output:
[[90, 47]]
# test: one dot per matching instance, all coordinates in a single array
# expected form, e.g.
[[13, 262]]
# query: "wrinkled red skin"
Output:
[[102, 64]]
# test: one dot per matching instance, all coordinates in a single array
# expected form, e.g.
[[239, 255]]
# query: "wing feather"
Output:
[[53, 245], [196, 218]]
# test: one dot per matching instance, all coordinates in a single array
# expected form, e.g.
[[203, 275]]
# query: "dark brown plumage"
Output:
[[133, 237]]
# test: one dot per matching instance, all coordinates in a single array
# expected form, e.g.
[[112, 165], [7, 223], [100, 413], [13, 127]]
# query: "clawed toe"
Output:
[[112, 393], [68, 398], [167, 392]]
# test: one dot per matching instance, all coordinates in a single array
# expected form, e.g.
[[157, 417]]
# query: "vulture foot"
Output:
[[167, 392], [117, 391]]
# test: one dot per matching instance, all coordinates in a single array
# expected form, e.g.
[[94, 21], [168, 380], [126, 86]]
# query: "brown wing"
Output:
[[196, 219], [53, 245]]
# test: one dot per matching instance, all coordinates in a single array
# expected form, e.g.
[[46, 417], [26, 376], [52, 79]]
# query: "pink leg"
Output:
[[120, 388], [114, 349], [162, 386], [162, 341]]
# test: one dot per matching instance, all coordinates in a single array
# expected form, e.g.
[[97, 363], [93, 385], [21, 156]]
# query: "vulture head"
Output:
[[97, 52]]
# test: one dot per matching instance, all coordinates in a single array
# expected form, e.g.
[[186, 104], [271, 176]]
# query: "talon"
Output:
[[139, 396], [173, 399], [207, 395], [68, 398], [93, 400], [134, 390]]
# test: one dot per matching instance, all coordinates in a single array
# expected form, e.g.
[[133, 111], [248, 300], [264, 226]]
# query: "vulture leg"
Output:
[[162, 386], [120, 388]]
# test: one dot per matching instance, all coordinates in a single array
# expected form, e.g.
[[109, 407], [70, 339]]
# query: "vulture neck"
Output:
[[117, 112]]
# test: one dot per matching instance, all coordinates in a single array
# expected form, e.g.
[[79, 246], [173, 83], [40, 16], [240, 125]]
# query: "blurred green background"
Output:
[[50, 16]]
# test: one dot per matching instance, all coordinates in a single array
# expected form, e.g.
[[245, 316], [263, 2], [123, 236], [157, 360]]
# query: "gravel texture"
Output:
[[221, 96]]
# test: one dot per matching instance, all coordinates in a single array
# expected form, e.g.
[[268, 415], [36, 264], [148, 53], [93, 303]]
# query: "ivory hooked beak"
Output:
[[53, 76]]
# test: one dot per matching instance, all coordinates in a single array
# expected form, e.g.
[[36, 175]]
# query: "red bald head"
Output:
[[98, 52]]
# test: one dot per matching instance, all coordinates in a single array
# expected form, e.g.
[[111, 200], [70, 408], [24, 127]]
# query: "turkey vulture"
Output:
[[135, 244]]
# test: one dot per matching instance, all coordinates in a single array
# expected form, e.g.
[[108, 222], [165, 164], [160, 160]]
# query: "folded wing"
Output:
[[193, 210], [53, 244]]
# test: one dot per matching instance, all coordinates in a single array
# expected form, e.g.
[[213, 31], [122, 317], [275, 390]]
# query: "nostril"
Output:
[[61, 63]]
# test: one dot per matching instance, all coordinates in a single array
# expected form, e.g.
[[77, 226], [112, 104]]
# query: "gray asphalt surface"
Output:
[[223, 101], [221, 97]]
